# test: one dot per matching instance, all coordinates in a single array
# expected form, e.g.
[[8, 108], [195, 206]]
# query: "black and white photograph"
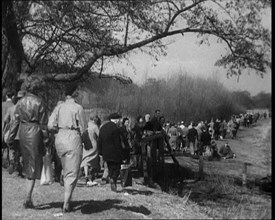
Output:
[[136, 109]]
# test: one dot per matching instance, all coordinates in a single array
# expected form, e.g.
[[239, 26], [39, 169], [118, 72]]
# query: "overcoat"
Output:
[[30, 114], [109, 142]]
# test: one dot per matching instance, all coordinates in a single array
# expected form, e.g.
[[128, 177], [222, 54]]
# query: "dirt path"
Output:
[[97, 202]]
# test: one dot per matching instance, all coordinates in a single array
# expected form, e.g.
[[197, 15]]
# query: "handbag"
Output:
[[47, 170], [86, 140]]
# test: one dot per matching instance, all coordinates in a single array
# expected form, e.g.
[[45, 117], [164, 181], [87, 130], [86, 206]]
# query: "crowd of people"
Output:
[[80, 149]]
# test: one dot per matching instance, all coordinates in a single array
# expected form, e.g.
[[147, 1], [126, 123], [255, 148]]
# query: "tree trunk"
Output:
[[12, 55]]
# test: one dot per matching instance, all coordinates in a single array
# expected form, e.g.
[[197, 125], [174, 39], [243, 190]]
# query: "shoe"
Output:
[[28, 205], [91, 183], [21, 175], [105, 180], [113, 187], [66, 210]]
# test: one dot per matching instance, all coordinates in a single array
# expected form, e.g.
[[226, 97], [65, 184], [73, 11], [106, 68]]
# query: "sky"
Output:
[[184, 55]]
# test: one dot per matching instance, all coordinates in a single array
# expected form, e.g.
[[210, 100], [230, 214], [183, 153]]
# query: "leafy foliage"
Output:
[[179, 98], [88, 35]]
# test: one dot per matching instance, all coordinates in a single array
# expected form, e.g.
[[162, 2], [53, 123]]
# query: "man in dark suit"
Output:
[[156, 121], [109, 146]]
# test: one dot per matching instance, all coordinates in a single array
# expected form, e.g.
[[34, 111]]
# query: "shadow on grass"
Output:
[[96, 206]]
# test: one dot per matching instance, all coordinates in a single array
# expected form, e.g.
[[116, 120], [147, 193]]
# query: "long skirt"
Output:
[[32, 149], [69, 150], [91, 158]]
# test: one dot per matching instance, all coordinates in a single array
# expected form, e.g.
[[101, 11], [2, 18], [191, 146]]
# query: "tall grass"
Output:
[[222, 198]]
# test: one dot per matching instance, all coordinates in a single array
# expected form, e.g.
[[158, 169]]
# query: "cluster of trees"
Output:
[[181, 97], [74, 41], [85, 36], [260, 101]]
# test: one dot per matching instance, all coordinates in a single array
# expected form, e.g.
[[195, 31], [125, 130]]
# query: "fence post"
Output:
[[244, 174], [201, 176]]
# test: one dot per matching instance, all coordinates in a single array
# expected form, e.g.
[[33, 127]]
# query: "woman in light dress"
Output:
[[90, 159]]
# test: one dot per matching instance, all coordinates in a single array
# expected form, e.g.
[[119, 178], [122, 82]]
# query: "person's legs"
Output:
[[70, 180], [57, 166], [69, 149], [114, 170], [29, 185], [105, 172], [191, 147], [17, 153], [86, 169]]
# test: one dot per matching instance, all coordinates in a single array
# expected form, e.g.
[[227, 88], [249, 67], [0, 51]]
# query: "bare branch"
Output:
[[180, 12]]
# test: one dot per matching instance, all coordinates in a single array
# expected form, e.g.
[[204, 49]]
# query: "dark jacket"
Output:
[[156, 124], [192, 134], [216, 126], [137, 136], [205, 138], [125, 139], [109, 142]]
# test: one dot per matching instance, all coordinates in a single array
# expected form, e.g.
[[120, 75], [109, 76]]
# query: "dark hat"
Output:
[[114, 116]]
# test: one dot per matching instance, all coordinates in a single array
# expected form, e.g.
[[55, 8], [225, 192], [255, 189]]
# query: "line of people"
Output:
[[77, 144]]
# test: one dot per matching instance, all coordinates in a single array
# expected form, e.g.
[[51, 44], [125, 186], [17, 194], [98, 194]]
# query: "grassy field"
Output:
[[219, 195]]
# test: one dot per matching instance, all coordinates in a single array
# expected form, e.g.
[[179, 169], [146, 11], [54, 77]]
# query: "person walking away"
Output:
[[205, 142], [137, 136], [16, 153], [198, 142], [179, 141], [56, 160], [192, 137], [223, 129], [211, 128], [70, 121], [90, 157], [184, 137], [232, 128], [110, 147], [173, 134], [103, 164], [235, 128], [5, 105], [125, 138], [125, 133], [30, 123], [216, 128]]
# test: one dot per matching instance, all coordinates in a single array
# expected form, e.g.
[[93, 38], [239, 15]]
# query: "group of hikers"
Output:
[[191, 137], [80, 148]]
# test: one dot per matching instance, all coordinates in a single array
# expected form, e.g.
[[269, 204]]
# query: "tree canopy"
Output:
[[68, 40]]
